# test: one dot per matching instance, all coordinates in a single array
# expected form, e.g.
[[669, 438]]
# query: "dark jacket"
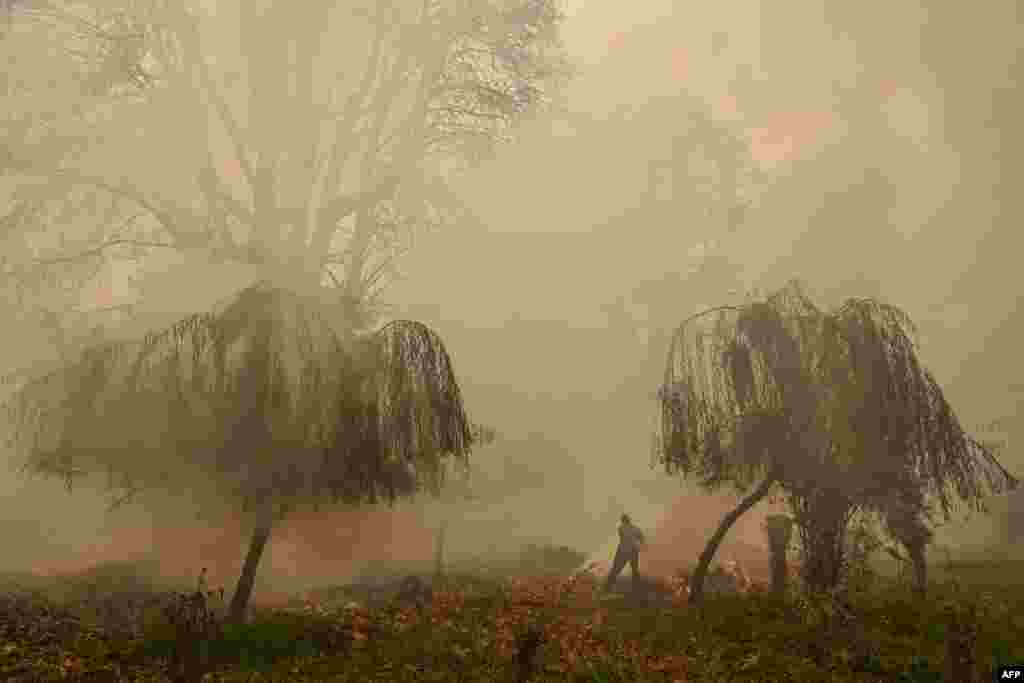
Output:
[[630, 538]]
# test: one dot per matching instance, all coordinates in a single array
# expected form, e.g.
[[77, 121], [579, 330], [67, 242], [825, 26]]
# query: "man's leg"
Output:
[[634, 565], [618, 564]]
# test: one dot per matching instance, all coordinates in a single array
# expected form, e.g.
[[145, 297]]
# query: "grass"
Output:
[[543, 628]]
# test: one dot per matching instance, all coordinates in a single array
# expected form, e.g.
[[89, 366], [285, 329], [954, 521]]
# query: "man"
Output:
[[630, 541]]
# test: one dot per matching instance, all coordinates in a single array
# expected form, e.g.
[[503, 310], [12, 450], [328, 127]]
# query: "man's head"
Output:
[[625, 519]]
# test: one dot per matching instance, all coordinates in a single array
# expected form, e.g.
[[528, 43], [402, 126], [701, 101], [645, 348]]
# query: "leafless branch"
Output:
[[371, 278], [353, 105], [190, 38], [471, 113], [163, 214], [108, 309], [216, 194], [334, 278], [124, 498], [96, 251], [344, 205]]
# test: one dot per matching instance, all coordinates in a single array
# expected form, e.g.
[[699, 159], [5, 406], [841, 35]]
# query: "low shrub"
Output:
[[544, 628]]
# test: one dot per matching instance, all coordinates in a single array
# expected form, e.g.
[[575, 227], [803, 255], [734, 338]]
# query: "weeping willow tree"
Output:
[[265, 400], [831, 407]]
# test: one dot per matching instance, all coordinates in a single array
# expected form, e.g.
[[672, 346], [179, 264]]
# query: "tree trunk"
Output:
[[439, 550], [823, 519], [243, 591], [961, 643], [780, 530], [919, 569], [701, 571], [822, 568]]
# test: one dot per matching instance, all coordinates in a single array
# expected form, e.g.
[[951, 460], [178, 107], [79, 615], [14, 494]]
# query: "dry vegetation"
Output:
[[535, 627]]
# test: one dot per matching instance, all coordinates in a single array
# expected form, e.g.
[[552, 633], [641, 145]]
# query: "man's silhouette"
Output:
[[630, 541]]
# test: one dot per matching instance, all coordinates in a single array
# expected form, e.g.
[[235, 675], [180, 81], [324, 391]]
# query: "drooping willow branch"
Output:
[[263, 396], [823, 395]]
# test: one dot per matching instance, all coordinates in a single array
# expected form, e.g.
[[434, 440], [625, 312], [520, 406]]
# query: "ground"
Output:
[[110, 627]]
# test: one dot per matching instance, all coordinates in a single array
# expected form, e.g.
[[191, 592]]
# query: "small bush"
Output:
[[186, 634]]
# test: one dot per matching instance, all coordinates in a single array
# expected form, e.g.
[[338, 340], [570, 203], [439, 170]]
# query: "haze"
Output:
[[885, 159]]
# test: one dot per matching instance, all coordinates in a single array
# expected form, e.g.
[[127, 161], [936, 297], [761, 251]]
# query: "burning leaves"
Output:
[[539, 627]]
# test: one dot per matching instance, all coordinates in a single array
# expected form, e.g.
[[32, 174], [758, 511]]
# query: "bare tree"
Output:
[[263, 404], [833, 407], [311, 138]]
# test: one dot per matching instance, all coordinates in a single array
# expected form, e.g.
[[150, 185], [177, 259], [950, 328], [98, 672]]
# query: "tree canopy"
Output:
[[830, 405], [845, 385], [266, 404], [261, 398]]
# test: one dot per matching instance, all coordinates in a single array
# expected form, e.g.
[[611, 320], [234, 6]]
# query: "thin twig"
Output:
[[103, 247]]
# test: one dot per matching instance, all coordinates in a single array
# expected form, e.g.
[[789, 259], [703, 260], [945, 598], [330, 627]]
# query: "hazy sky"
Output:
[[820, 95]]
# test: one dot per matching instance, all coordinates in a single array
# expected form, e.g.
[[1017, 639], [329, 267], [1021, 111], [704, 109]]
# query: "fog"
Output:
[[878, 157]]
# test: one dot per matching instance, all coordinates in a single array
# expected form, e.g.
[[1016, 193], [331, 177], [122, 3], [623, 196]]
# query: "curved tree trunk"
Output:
[[243, 591], [701, 571]]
